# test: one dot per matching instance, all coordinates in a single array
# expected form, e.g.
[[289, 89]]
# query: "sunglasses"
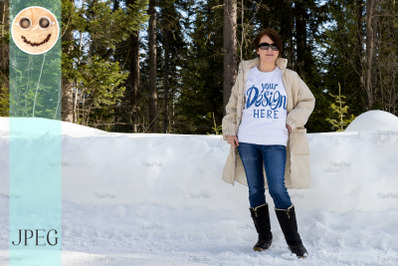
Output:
[[265, 46], [26, 23]]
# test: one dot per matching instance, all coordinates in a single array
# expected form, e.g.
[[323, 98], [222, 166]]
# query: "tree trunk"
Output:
[[287, 25], [370, 77], [359, 52], [4, 59], [67, 96], [67, 111], [133, 82], [4, 52], [166, 47], [301, 37], [153, 110], [134, 77], [230, 48]]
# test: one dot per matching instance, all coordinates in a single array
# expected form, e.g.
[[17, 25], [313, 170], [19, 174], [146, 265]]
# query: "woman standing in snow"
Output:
[[264, 124]]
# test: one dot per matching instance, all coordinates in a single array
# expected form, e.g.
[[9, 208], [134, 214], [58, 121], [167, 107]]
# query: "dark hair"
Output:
[[274, 37]]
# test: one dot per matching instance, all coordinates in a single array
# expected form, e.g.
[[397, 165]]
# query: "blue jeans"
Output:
[[274, 158]]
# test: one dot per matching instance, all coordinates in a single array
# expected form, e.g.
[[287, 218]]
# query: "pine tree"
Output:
[[201, 91], [339, 112]]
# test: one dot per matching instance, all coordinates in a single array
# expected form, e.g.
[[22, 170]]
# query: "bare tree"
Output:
[[387, 34]]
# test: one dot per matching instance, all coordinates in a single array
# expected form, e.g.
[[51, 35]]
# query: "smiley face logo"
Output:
[[35, 30]]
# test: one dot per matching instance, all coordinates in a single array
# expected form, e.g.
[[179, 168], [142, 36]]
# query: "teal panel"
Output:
[[35, 149]]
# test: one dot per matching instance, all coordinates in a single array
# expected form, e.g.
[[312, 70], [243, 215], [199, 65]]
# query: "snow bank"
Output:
[[374, 120], [153, 199]]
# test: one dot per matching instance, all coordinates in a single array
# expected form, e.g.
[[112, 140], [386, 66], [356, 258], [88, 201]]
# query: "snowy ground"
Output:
[[152, 199]]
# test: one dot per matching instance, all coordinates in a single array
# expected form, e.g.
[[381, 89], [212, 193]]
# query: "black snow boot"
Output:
[[288, 223], [260, 215]]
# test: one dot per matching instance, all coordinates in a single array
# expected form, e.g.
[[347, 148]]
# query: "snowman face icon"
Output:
[[35, 30]]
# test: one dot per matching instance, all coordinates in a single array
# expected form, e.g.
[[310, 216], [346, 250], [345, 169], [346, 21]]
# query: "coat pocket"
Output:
[[299, 142]]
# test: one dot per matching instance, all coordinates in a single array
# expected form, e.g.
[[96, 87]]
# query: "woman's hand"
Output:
[[289, 129], [232, 140]]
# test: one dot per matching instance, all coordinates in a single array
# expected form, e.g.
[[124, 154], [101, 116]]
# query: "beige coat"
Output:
[[300, 104]]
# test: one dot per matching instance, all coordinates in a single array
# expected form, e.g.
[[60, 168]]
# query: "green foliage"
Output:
[[97, 47], [94, 32], [345, 51], [340, 113], [100, 89], [108, 27]]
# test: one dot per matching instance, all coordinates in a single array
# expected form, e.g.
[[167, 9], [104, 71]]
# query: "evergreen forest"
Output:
[[169, 66]]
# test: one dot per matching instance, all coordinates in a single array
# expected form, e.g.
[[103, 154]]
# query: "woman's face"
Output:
[[267, 56]]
